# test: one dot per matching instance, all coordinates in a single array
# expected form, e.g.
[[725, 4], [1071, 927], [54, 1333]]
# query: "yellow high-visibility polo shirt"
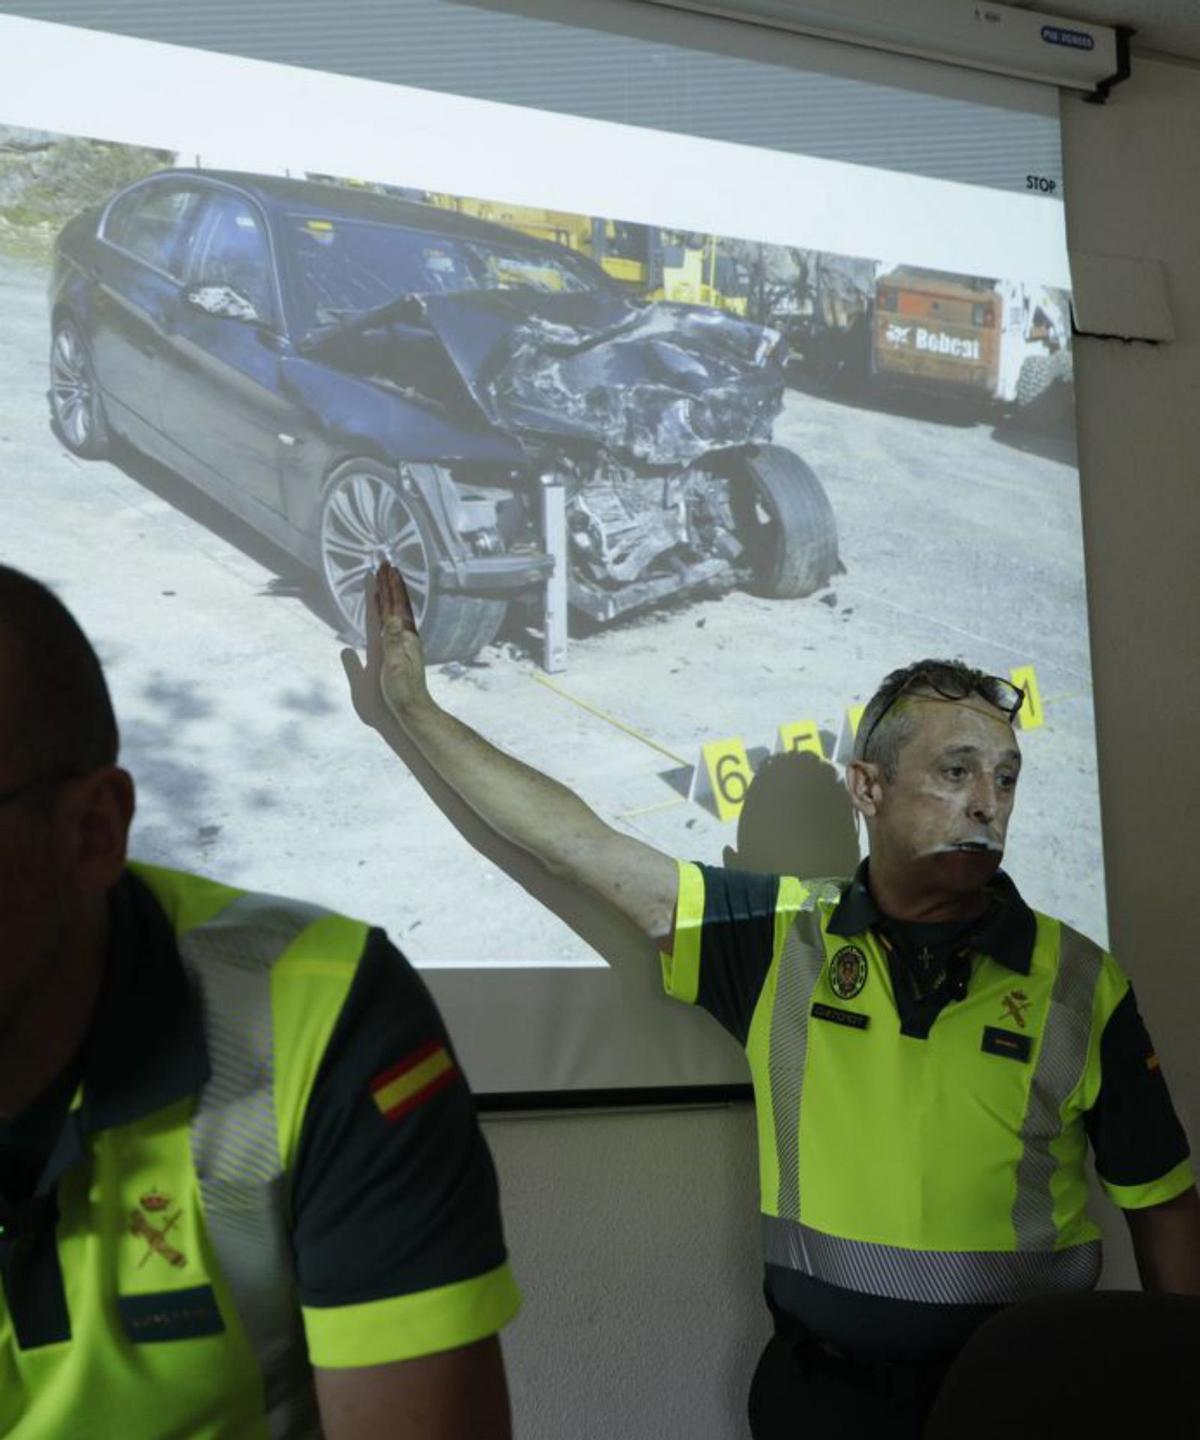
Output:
[[270, 1162], [924, 1165]]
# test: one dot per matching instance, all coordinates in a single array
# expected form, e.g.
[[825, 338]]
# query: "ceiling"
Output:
[[1170, 26], [1167, 26]]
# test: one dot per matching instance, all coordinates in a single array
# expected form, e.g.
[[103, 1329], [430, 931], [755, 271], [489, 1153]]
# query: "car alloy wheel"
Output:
[[369, 513], [74, 398], [366, 520]]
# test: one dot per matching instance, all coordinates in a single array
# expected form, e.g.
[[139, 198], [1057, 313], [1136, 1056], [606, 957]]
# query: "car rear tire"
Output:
[[366, 517], [75, 403], [785, 521]]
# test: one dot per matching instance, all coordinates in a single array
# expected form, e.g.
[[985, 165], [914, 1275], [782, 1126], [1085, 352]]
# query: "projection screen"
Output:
[[690, 414]]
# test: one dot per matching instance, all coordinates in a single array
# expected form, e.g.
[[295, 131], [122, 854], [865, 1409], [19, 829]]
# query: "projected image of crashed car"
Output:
[[358, 376]]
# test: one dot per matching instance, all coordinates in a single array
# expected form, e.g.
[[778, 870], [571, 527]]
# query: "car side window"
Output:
[[155, 223], [233, 255]]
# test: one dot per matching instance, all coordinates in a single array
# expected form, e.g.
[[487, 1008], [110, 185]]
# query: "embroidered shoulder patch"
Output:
[[414, 1080]]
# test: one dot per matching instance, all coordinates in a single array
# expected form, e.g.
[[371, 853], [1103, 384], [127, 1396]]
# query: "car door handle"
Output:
[[164, 319]]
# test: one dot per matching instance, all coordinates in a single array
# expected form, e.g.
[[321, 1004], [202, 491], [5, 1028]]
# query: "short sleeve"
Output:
[[1141, 1150], [396, 1229], [727, 930]]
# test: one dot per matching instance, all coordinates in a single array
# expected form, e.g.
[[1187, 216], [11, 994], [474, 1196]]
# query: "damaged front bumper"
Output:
[[483, 574]]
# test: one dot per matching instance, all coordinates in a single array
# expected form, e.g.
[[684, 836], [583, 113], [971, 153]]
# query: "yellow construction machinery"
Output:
[[657, 264]]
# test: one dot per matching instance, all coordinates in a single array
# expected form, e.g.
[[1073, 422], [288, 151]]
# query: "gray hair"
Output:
[[885, 727]]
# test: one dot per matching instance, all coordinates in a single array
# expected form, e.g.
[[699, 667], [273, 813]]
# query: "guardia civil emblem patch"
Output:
[[155, 1236], [1015, 1004], [848, 972]]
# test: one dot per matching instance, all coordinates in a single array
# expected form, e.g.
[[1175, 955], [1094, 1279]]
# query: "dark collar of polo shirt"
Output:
[[144, 1050], [145, 1047], [1008, 935]]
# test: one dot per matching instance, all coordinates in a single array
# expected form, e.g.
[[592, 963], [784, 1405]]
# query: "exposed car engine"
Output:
[[625, 525]]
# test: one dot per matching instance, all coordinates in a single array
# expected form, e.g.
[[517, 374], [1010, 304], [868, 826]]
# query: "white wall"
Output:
[[635, 1239], [1133, 188], [635, 1236]]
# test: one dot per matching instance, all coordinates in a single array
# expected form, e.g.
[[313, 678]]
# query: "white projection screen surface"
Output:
[[764, 353]]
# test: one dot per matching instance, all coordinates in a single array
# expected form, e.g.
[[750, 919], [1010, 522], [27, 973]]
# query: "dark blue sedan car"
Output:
[[359, 376]]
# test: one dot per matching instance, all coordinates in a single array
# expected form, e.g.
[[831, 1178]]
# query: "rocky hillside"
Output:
[[46, 178]]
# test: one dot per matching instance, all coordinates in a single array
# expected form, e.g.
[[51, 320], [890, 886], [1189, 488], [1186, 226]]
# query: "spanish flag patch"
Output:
[[414, 1080], [1152, 1062]]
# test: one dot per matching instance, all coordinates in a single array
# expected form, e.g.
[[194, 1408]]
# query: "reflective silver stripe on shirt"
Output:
[[1060, 1064], [800, 966], [235, 1146], [970, 1277]]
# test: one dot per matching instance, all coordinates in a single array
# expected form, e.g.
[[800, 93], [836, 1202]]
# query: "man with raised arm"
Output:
[[930, 1056]]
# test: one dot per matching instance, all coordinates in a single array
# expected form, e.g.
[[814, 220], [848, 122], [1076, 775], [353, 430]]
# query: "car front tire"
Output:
[[784, 520], [75, 402], [365, 517]]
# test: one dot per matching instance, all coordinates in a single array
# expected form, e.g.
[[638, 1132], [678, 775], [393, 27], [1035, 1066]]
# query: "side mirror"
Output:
[[223, 301]]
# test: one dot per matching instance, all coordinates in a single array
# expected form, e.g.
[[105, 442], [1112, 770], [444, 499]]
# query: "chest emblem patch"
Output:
[[1014, 1005], [848, 972], [155, 1203]]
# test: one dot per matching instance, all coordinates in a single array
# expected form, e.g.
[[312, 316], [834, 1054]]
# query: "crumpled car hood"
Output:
[[661, 383]]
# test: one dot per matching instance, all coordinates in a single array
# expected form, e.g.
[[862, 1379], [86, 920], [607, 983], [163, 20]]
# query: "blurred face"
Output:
[[62, 848], [946, 810], [34, 895]]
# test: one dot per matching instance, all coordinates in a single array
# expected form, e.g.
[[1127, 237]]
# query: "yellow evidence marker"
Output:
[[722, 777], [801, 735], [843, 751], [1031, 714]]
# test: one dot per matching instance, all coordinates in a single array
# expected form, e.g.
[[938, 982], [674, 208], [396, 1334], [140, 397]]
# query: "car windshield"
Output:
[[348, 267]]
